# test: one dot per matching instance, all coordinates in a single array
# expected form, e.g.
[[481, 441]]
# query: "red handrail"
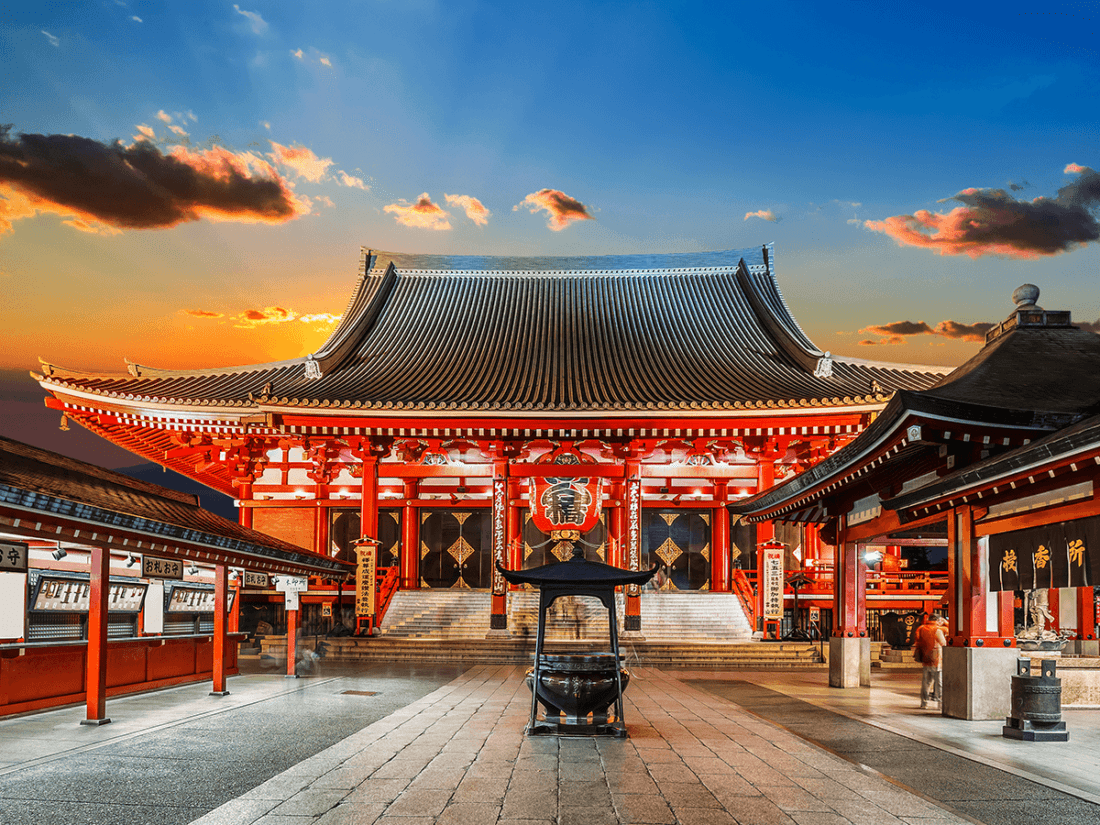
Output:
[[745, 594]]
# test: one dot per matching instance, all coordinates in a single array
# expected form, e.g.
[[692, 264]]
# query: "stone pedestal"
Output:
[[1083, 647], [977, 682], [849, 662]]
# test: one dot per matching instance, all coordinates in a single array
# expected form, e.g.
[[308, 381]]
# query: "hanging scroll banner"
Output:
[[1063, 554], [366, 572], [773, 580], [565, 503]]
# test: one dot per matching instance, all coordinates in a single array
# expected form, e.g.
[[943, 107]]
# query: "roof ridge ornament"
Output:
[[824, 368], [312, 368]]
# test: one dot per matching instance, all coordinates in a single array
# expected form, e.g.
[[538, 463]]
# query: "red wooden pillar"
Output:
[[96, 677], [515, 528], [1086, 613], [292, 641], [244, 514], [849, 592], [320, 528], [498, 617], [765, 531], [615, 526], [368, 505], [968, 587], [632, 620], [221, 604], [410, 537], [1006, 616], [720, 539]]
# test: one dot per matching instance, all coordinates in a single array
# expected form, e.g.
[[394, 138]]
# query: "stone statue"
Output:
[[1038, 609]]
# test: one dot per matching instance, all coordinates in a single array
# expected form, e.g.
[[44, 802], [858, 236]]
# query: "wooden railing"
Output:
[[745, 592], [387, 581]]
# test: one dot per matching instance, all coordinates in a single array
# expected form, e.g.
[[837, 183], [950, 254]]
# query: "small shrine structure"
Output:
[[1001, 457]]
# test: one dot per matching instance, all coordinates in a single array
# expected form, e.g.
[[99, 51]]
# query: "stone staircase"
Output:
[[672, 618], [679, 630], [438, 614]]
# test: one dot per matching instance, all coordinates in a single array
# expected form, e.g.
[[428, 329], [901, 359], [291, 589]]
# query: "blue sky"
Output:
[[662, 126]]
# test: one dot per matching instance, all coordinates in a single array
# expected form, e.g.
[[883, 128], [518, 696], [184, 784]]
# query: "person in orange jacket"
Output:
[[928, 647]]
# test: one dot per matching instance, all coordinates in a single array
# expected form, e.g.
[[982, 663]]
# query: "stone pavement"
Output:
[[458, 756]]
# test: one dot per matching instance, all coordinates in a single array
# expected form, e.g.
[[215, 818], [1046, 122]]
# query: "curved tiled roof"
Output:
[[628, 332]]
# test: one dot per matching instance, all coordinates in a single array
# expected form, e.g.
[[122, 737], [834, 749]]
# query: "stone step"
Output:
[[746, 656], [460, 614]]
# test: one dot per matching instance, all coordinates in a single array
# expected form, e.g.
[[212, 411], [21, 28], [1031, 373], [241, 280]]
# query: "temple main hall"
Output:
[[456, 390]]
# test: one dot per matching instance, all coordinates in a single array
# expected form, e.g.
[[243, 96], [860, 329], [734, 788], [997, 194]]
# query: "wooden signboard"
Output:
[[13, 557], [365, 573], [154, 568], [259, 580], [773, 582]]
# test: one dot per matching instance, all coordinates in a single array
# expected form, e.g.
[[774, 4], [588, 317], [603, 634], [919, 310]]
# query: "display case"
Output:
[[58, 606], [189, 607]]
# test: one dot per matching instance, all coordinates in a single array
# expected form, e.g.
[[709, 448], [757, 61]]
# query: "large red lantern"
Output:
[[565, 503]]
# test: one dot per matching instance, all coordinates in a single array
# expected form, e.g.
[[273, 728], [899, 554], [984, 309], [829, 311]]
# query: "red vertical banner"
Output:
[[633, 526], [498, 611]]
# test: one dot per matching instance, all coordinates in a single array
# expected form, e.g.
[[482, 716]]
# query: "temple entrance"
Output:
[[679, 541], [540, 548], [345, 527], [456, 548]]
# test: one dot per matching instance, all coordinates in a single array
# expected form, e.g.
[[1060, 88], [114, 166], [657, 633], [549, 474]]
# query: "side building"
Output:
[[455, 386]]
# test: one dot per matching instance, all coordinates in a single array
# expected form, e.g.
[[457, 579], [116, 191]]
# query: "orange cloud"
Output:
[[562, 209], [251, 318], [144, 132], [763, 214], [202, 313], [105, 187], [421, 215], [992, 222], [896, 332], [302, 161], [473, 208]]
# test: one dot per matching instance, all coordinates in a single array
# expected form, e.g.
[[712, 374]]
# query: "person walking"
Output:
[[929, 646]]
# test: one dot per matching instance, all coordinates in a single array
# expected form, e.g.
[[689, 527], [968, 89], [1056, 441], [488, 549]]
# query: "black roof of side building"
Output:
[[646, 333], [1036, 374], [39, 481]]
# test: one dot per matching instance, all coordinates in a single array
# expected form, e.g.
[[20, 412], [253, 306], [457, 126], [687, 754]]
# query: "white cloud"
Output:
[[326, 62], [136, 19], [164, 116], [255, 22], [350, 180], [298, 53], [54, 41]]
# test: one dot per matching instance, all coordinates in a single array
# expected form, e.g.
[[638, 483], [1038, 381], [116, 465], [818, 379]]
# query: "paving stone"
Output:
[[469, 813], [419, 803], [642, 808], [757, 811], [588, 816], [481, 789], [361, 814], [238, 812], [530, 806], [688, 795], [672, 772], [819, 818], [704, 816], [583, 795], [433, 778], [377, 790], [310, 802], [796, 799]]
